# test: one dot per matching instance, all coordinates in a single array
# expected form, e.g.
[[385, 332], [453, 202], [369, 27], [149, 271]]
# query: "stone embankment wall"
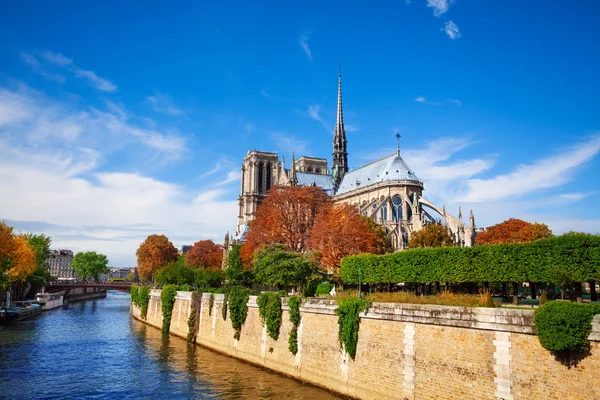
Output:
[[405, 351]]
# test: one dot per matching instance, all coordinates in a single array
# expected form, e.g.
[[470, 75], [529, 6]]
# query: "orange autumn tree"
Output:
[[7, 249], [24, 260], [152, 254], [286, 216], [432, 235], [340, 231], [513, 231], [205, 254]]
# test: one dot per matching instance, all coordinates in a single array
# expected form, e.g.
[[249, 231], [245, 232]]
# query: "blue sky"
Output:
[[118, 120]]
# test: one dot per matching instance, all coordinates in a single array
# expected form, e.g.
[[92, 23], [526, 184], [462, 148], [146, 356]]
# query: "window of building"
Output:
[[396, 209], [268, 176]]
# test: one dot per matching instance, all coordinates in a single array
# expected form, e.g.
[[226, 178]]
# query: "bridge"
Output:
[[52, 287]]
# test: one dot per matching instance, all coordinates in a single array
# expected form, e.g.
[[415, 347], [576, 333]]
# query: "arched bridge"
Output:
[[52, 287]]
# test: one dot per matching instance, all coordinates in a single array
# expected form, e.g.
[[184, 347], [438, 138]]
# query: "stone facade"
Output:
[[386, 190], [404, 351]]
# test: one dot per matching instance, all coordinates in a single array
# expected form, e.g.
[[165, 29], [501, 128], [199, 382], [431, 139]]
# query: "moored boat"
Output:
[[50, 301], [19, 311]]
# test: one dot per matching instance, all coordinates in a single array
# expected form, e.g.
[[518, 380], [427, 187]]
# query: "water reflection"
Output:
[[206, 374], [93, 349]]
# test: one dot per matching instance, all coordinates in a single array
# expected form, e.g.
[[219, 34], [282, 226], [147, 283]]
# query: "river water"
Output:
[[95, 350]]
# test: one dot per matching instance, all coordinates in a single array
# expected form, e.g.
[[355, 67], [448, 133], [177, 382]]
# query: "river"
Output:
[[95, 350]]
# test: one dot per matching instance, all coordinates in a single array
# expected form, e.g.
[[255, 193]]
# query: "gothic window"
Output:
[[268, 176], [384, 213], [261, 177], [317, 171], [396, 209]]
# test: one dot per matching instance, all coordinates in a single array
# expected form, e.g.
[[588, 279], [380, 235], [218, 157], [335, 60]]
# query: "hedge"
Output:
[[578, 254]]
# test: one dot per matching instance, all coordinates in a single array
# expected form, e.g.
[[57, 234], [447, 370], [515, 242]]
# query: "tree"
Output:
[[274, 265], [90, 264], [23, 262], [286, 216], [339, 231], [152, 254], [513, 231], [205, 254], [41, 245], [234, 273], [432, 235], [7, 250]]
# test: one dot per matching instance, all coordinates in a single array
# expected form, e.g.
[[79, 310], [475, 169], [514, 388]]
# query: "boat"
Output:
[[50, 301], [20, 311]]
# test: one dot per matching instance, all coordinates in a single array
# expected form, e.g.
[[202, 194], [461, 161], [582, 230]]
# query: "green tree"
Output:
[[41, 245], [274, 265], [432, 235], [234, 273], [90, 264]]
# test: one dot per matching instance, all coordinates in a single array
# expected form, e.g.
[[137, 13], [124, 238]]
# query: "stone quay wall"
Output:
[[405, 351]]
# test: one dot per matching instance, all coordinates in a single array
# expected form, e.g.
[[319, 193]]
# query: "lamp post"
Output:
[[359, 280]]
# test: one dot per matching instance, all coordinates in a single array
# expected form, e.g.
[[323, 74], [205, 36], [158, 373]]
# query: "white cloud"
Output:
[[452, 102], [163, 104], [421, 99], [56, 58], [289, 143], [439, 6], [60, 60], [546, 173], [96, 81], [313, 112], [232, 176], [451, 30], [303, 40], [350, 128], [573, 197]]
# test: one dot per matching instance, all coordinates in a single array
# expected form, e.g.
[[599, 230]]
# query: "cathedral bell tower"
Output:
[[339, 162]]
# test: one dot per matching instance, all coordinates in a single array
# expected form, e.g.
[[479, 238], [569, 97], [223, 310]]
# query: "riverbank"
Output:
[[409, 351]]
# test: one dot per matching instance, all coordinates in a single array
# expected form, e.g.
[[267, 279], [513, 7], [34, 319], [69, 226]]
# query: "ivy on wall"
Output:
[[269, 308], [140, 296], [195, 313], [348, 312], [295, 317], [238, 308], [167, 299]]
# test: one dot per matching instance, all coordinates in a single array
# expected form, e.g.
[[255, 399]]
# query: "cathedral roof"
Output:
[[390, 168], [320, 180]]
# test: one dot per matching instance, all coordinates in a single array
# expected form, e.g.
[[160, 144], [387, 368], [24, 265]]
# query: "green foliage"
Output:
[[269, 308], [564, 326], [310, 288], [224, 308], [234, 273], [276, 266], [295, 317], [90, 265], [140, 296], [576, 255], [238, 308], [177, 273], [543, 298], [323, 289], [193, 320], [348, 312], [41, 245], [167, 299]]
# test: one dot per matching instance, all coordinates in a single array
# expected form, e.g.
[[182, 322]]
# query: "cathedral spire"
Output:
[[293, 171], [340, 153]]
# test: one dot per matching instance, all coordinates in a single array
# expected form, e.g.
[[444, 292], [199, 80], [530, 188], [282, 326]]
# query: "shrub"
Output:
[[269, 308], [576, 256], [323, 289], [565, 326], [295, 317], [543, 298], [167, 298], [348, 312], [238, 309], [134, 294]]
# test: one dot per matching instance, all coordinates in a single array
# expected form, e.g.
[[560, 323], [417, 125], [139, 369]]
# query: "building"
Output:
[[386, 190], [60, 265]]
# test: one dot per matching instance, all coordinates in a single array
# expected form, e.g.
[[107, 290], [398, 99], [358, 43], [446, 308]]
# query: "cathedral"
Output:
[[386, 190]]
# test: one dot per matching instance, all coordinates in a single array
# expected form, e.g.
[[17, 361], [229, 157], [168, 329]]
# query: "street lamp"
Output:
[[359, 280]]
